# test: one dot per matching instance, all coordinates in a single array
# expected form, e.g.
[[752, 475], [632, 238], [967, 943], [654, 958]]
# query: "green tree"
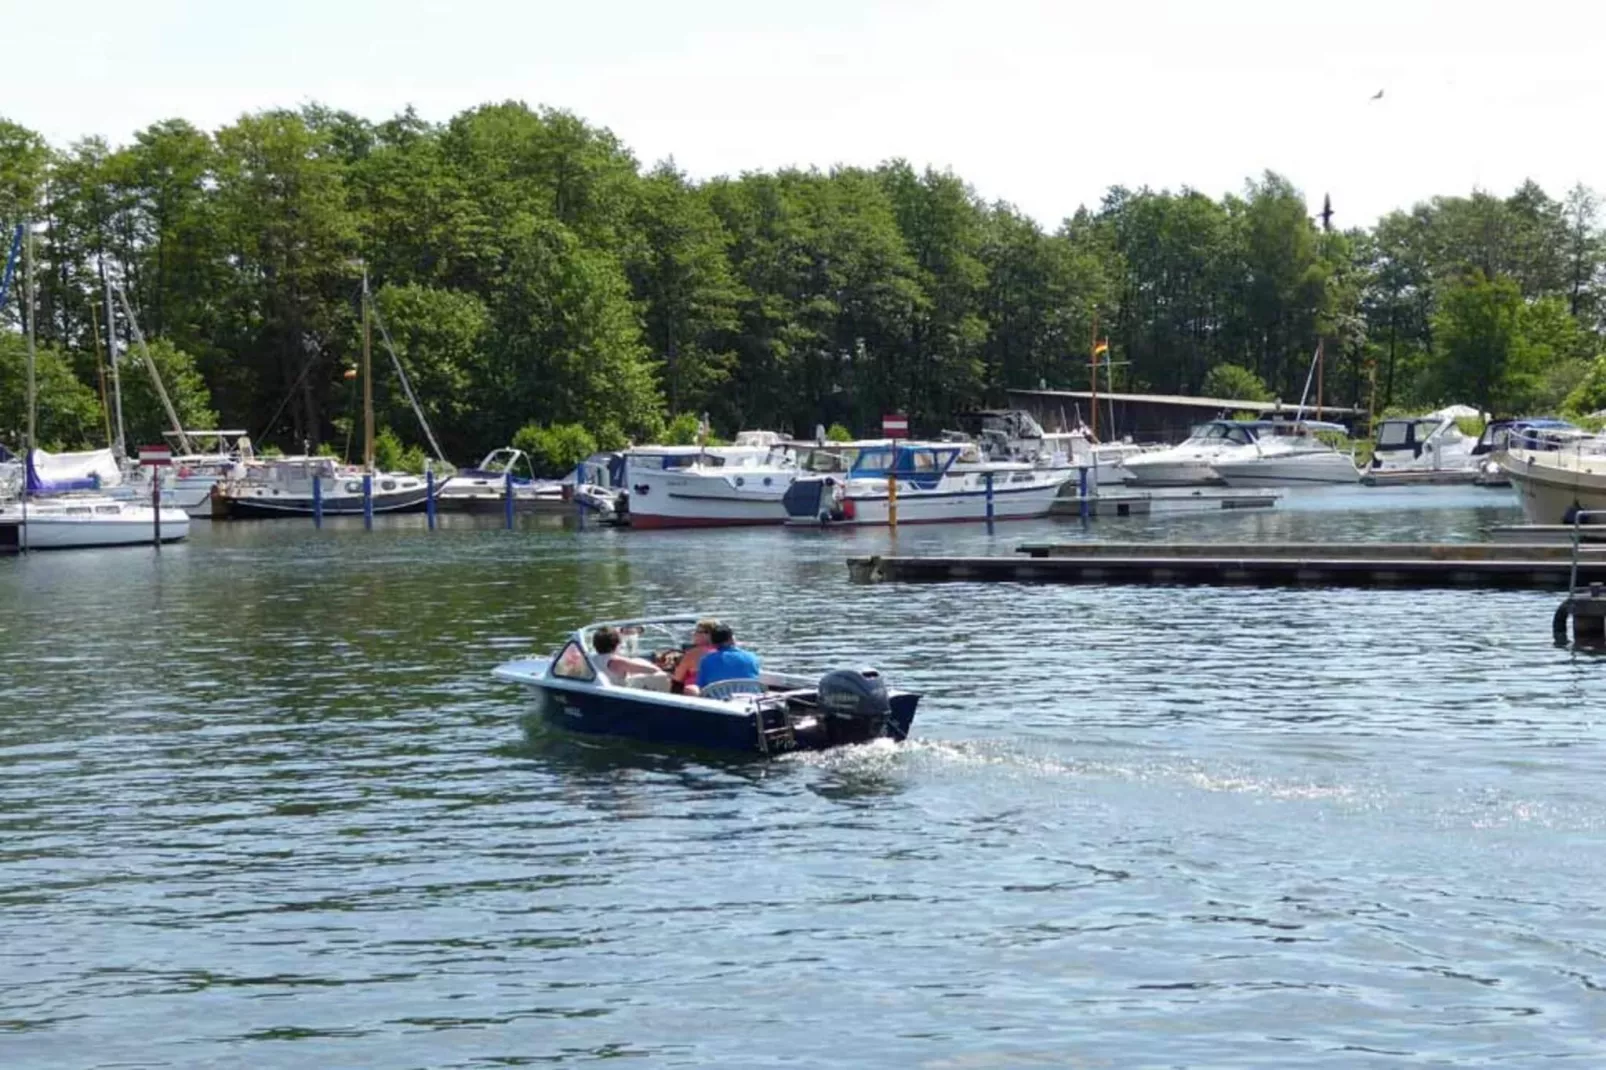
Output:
[[555, 450], [144, 418], [440, 338], [1235, 382], [69, 414], [1479, 346]]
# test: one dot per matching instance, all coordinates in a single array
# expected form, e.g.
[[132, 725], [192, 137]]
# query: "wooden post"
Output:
[[429, 495], [892, 494]]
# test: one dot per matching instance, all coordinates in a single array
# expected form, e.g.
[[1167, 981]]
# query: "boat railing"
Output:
[[1580, 518]]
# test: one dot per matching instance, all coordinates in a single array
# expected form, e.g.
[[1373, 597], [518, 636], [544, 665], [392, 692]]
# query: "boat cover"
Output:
[[54, 473]]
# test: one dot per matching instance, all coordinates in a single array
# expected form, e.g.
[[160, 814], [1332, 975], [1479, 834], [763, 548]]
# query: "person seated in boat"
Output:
[[726, 661], [683, 679], [628, 671]]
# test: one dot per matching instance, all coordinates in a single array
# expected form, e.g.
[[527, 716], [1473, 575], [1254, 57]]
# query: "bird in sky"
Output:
[[1378, 95]]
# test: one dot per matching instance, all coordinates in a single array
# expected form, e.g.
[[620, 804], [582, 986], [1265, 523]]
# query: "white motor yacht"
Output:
[[483, 488], [935, 481], [1554, 484], [1431, 443], [1191, 462], [709, 486], [1288, 453]]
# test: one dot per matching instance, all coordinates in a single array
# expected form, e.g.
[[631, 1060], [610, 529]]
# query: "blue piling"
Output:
[[1081, 473], [317, 501], [429, 497], [989, 477], [368, 501], [507, 497]]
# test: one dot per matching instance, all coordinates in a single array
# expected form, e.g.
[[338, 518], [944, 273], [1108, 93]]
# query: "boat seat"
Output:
[[728, 689]]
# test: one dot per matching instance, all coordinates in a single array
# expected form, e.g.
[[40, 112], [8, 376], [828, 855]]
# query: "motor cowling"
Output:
[[854, 706]]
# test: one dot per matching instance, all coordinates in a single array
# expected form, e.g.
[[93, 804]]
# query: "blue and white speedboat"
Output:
[[775, 713]]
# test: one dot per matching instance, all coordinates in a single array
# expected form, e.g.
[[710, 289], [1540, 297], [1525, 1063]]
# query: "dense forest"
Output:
[[534, 275]]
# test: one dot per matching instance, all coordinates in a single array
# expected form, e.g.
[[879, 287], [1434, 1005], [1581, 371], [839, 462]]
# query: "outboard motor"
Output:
[[855, 705]]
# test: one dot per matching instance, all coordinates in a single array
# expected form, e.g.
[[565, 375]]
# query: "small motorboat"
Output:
[[775, 713]]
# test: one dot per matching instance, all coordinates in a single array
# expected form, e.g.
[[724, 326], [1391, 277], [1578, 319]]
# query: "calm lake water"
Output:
[[262, 804]]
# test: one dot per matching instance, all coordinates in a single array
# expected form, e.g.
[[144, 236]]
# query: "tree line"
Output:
[[534, 275]]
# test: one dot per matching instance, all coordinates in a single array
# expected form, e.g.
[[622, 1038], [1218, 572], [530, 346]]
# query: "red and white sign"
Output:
[[895, 425], [155, 455]]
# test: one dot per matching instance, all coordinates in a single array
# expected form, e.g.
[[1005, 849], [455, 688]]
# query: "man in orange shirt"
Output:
[[683, 679]]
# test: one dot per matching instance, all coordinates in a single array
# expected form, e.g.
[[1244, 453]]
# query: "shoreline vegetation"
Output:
[[545, 288]]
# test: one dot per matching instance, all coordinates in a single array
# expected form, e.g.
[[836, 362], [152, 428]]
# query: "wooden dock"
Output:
[[1473, 565], [1553, 534], [1162, 501], [1461, 478]]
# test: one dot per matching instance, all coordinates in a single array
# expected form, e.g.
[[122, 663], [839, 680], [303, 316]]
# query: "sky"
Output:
[[1041, 104]]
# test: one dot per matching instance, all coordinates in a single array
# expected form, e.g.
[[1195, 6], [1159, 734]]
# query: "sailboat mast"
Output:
[[367, 379], [119, 446], [28, 303]]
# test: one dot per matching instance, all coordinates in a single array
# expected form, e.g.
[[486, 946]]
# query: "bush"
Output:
[[391, 456], [1590, 393], [838, 433], [682, 430], [1235, 383], [555, 450]]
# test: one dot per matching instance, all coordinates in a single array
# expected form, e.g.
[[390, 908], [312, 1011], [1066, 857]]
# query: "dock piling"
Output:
[[892, 500], [317, 501], [429, 496], [1081, 480], [156, 508], [507, 497], [368, 501], [989, 478]]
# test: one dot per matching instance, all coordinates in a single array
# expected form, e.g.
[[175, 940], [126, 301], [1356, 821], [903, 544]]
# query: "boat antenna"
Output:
[[156, 376], [401, 373]]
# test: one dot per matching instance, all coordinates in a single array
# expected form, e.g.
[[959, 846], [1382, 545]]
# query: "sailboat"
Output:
[[304, 486], [61, 500]]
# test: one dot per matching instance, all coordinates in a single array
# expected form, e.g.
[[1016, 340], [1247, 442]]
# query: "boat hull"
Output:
[[264, 503], [134, 526], [1331, 469], [1179, 473], [862, 507], [1553, 485], [660, 499], [654, 717]]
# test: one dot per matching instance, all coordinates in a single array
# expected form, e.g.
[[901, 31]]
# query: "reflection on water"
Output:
[[261, 803]]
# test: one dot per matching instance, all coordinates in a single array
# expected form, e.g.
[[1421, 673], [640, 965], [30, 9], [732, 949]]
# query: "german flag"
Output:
[[1102, 348]]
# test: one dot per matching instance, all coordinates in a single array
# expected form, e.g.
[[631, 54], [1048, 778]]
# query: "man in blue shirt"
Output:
[[726, 661]]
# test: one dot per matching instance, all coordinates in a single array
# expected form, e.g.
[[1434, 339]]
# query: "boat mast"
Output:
[[367, 379], [119, 445], [28, 310], [156, 376], [1093, 372]]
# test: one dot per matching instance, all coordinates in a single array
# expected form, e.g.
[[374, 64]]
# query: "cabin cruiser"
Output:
[[1540, 434], [200, 461], [1431, 443], [1288, 453], [66, 501], [709, 486], [483, 488], [1555, 484], [1106, 461], [775, 713], [1191, 462], [934, 481], [302, 486]]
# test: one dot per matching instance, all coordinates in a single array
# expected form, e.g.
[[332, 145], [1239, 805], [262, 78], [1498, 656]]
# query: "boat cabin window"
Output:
[[873, 462], [572, 663], [1395, 434]]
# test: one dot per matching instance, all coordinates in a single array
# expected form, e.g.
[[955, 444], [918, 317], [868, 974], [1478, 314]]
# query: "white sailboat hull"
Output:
[[49, 525]]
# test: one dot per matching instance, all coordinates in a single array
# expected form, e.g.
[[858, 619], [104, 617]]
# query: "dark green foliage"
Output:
[[537, 280], [555, 450]]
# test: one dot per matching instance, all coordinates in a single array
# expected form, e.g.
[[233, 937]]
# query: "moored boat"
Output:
[[1288, 453], [1190, 463], [483, 488], [934, 482], [1554, 485], [775, 713], [302, 486], [709, 486]]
